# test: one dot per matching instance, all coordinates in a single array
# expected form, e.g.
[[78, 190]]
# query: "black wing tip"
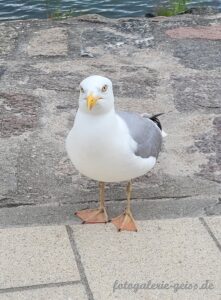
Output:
[[155, 119], [157, 115]]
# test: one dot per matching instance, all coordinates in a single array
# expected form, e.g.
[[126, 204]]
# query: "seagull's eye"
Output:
[[81, 89], [104, 88]]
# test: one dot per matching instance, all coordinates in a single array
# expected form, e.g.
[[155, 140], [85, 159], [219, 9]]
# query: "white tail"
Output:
[[164, 134]]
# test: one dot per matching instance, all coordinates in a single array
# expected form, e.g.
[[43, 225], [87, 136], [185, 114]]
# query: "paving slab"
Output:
[[74, 292], [127, 265], [48, 42], [36, 255]]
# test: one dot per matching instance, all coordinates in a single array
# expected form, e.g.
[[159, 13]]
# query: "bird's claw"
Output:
[[91, 216], [125, 222]]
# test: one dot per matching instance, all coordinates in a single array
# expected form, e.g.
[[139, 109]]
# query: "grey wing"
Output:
[[145, 132]]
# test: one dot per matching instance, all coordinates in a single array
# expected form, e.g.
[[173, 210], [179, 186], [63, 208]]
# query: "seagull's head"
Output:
[[96, 95]]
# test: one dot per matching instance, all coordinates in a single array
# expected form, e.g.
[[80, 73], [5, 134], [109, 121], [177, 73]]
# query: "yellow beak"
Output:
[[91, 101]]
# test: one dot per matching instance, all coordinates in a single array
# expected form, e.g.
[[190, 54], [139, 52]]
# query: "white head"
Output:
[[96, 95]]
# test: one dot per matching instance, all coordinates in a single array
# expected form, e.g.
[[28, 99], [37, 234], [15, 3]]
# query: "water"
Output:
[[26, 9]]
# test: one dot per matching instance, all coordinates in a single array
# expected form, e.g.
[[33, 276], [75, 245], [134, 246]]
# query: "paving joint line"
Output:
[[212, 235], [79, 263], [38, 286]]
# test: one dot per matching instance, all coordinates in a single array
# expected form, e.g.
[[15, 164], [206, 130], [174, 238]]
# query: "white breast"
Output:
[[101, 148]]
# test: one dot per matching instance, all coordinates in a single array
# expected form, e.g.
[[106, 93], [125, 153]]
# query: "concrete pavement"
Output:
[[166, 259]]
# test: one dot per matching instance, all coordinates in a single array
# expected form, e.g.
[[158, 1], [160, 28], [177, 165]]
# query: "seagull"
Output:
[[110, 146]]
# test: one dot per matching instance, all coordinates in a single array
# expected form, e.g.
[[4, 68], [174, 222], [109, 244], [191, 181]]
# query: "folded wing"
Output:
[[145, 132]]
